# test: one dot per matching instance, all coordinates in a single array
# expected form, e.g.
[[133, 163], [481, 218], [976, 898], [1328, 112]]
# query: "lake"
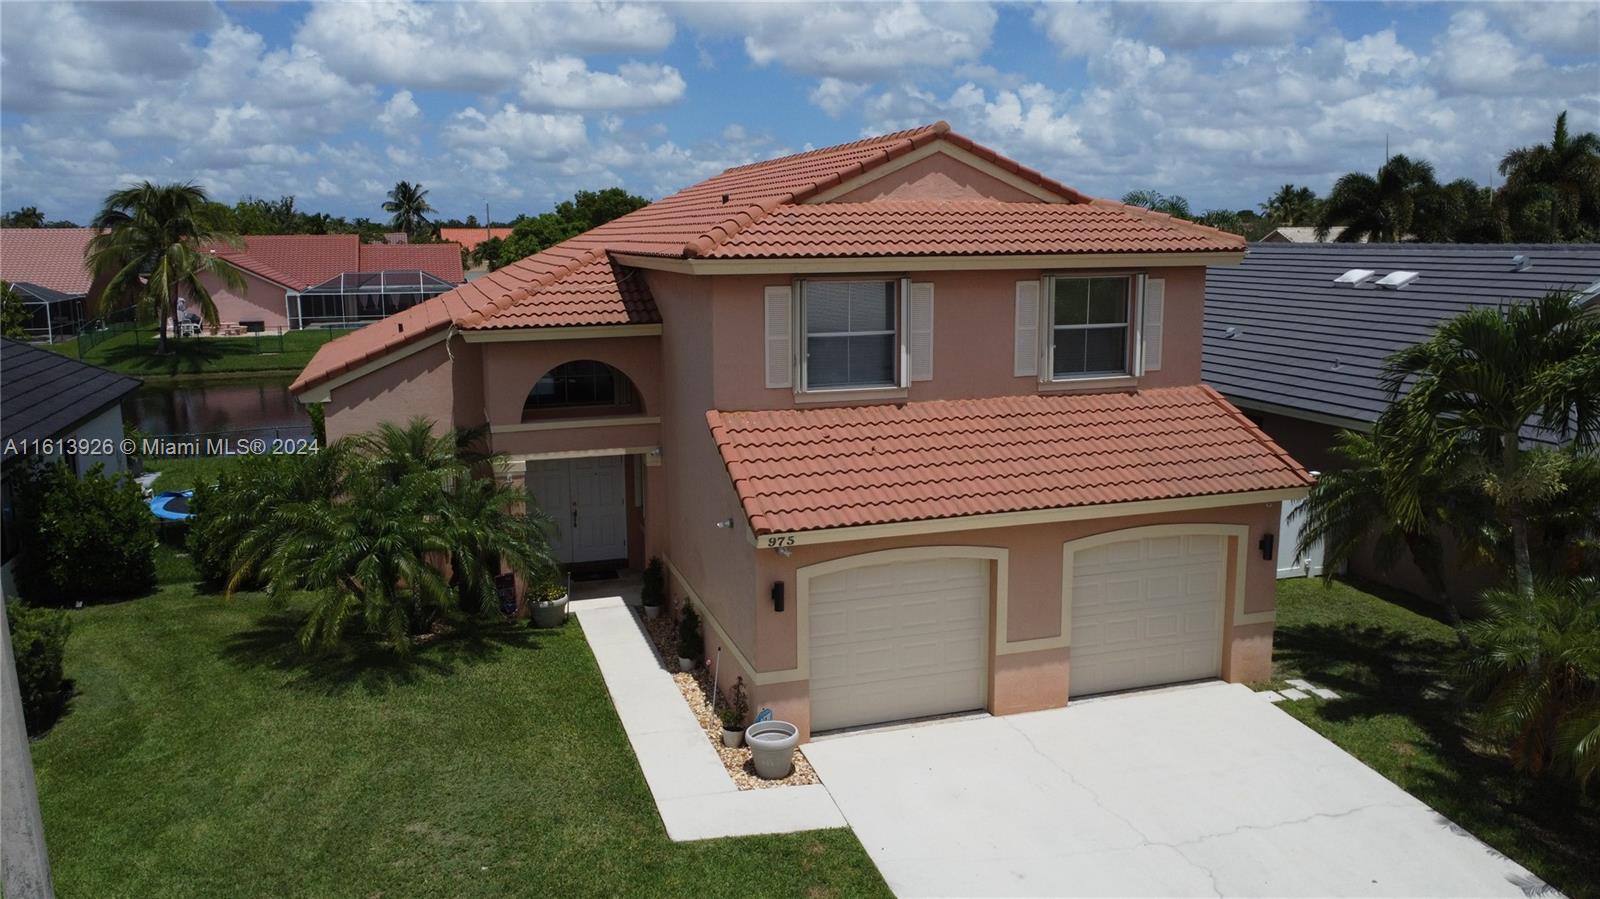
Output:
[[224, 408]]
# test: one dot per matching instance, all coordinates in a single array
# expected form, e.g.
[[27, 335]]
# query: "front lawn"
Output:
[[1390, 663], [186, 472], [202, 757], [135, 353]]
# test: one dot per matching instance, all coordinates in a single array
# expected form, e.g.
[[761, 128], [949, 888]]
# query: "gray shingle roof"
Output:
[[1303, 343], [42, 392]]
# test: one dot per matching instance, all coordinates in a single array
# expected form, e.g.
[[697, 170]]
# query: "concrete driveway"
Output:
[[1191, 791]]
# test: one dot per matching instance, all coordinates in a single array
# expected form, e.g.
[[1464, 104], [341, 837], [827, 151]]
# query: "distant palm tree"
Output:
[[1381, 208], [408, 203], [1291, 205], [1566, 171], [1157, 202], [26, 217], [151, 247]]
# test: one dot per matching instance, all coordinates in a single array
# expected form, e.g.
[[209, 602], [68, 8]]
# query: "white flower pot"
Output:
[[652, 611], [685, 664], [732, 738], [772, 746], [551, 614]]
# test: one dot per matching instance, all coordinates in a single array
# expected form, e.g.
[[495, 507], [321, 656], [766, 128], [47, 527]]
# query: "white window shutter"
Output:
[[1025, 357], [1155, 303], [780, 336], [921, 337]]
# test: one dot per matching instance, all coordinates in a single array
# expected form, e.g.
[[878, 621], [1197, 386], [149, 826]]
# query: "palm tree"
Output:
[[26, 217], [1565, 171], [408, 203], [1291, 205], [1157, 202], [151, 247], [1381, 208], [1388, 492], [1538, 668], [1485, 378]]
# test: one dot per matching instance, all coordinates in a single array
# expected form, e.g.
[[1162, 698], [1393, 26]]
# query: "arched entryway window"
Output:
[[584, 388]]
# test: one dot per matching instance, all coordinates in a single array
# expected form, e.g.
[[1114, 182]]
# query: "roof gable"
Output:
[[48, 257], [43, 392]]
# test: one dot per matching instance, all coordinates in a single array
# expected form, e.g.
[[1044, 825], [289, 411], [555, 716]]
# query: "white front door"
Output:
[[900, 640], [586, 500], [1146, 612]]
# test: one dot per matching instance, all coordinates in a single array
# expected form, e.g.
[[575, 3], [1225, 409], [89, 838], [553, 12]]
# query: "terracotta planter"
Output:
[[550, 614]]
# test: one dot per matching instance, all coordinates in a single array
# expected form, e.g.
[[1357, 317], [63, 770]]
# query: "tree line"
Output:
[[1551, 194]]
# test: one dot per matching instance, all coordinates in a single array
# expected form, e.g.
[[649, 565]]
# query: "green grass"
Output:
[[185, 472], [1390, 660], [136, 353], [201, 756]]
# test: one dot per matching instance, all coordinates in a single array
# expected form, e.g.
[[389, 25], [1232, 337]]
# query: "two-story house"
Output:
[[917, 429]]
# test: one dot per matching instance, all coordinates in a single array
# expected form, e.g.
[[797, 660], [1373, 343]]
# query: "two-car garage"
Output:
[[913, 638]]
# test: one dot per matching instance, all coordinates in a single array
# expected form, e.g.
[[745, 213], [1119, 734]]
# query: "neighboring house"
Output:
[[1297, 335], [1301, 234], [917, 429], [45, 266], [469, 238], [52, 407], [329, 280]]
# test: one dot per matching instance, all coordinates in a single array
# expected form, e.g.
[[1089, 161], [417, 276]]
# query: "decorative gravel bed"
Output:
[[696, 689]]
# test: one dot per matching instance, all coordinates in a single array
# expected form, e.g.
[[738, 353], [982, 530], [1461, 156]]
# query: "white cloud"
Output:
[[471, 46], [835, 95], [1078, 29], [492, 142], [1558, 26], [1474, 58], [1213, 23], [853, 41], [566, 82], [400, 115], [1380, 53]]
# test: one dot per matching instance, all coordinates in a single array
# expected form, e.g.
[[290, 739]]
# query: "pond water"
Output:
[[224, 408]]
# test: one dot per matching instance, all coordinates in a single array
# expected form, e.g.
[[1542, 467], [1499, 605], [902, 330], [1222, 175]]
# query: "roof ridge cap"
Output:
[[1168, 218], [505, 301]]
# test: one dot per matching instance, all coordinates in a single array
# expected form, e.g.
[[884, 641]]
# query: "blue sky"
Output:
[[521, 104]]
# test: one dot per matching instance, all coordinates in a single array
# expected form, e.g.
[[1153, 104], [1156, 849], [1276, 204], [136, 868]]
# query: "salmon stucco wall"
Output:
[[422, 383], [938, 176], [260, 300], [511, 369], [973, 335]]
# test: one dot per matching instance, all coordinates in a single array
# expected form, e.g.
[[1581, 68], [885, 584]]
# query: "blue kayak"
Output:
[[172, 505]]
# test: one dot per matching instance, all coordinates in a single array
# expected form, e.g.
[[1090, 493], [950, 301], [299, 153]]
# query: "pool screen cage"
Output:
[[356, 297], [52, 315]]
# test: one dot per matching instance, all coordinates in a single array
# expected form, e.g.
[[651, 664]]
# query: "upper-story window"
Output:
[[1089, 326], [852, 334], [581, 389]]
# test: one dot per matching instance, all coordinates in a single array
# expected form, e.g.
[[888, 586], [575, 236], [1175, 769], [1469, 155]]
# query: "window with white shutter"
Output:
[[780, 336], [921, 339], [1155, 307], [1025, 353]]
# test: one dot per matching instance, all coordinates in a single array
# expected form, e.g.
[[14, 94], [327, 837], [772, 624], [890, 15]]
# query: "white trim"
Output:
[[566, 332], [1090, 384], [323, 392], [1240, 533], [761, 678], [896, 265], [941, 147], [805, 574], [566, 424], [519, 461], [862, 395], [1028, 517]]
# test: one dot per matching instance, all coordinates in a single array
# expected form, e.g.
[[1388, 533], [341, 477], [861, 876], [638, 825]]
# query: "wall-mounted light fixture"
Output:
[[725, 523], [1266, 546], [777, 596]]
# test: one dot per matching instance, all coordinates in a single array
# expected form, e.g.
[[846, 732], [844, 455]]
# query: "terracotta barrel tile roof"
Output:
[[469, 238], [812, 469], [48, 257], [756, 211]]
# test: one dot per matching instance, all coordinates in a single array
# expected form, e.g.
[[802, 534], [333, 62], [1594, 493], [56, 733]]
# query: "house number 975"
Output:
[[785, 540]]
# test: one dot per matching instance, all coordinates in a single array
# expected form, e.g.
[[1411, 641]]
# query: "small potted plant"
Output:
[[733, 713], [653, 588], [547, 596], [691, 646]]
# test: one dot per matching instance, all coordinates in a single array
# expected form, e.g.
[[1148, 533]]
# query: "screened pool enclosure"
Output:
[[357, 297], [52, 315]]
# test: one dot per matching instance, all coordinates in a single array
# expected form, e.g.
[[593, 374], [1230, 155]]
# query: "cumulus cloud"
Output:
[[566, 82], [494, 141], [400, 115], [1212, 23], [835, 95]]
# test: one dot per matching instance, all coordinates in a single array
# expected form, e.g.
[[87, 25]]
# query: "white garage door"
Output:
[[1146, 612], [898, 641]]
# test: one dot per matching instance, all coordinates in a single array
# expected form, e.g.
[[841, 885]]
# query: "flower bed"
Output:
[[696, 689]]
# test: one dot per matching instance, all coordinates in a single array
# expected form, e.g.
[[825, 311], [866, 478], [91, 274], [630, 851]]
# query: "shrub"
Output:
[[39, 639], [653, 585], [690, 644], [736, 708], [88, 538]]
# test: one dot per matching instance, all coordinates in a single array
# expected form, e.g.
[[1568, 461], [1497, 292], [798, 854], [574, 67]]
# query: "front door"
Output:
[[586, 501]]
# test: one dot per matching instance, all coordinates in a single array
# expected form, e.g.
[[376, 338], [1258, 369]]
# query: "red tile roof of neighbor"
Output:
[[753, 210], [809, 469], [469, 238], [48, 257], [298, 261]]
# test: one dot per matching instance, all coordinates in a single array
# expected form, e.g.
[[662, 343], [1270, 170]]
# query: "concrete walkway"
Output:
[[1193, 791], [693, 792]]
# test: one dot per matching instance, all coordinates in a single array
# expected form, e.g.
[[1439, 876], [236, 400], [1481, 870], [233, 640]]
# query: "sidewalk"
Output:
[[695, 796]]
